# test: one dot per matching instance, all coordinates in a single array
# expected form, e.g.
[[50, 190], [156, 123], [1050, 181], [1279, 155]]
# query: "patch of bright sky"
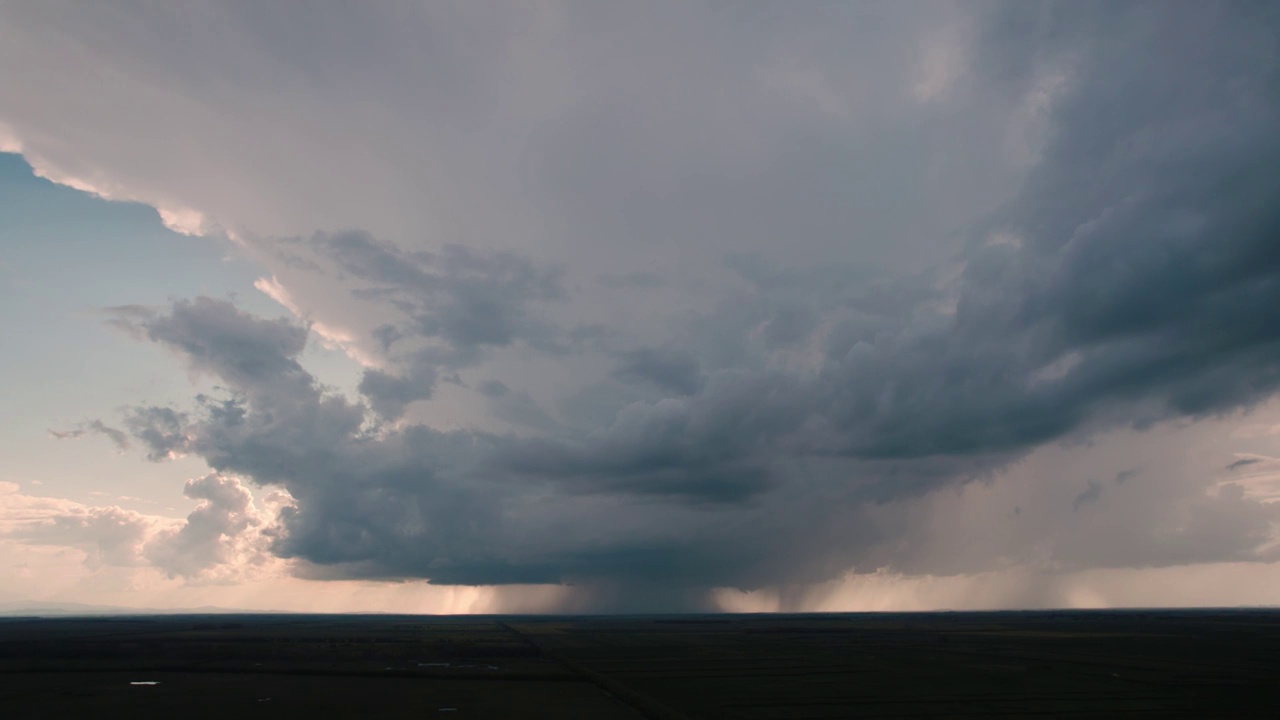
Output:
[[64, 256]]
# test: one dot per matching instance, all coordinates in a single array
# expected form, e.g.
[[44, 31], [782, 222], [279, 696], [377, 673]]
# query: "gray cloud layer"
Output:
[[738, 428]]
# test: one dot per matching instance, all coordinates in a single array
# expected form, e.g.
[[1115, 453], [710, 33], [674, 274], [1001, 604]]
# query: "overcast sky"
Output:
[[609, 306]]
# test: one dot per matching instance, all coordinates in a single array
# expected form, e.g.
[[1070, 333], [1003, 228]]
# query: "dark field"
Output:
[[1044, 664]]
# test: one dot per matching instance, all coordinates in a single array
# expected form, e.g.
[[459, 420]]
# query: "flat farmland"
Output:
[[1011, 664]]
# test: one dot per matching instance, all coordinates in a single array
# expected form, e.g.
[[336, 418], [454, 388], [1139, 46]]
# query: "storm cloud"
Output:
[[626, 334]]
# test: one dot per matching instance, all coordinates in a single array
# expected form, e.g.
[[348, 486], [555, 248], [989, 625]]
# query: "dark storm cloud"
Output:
[[456, 305], [1135, 277], [389, 395], [414, 502], [717, 446], [672, 371], [515, 407], [466, 299], [216, 339], [386, 335], [1144, 282], [1147, 264], [162, 431]]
